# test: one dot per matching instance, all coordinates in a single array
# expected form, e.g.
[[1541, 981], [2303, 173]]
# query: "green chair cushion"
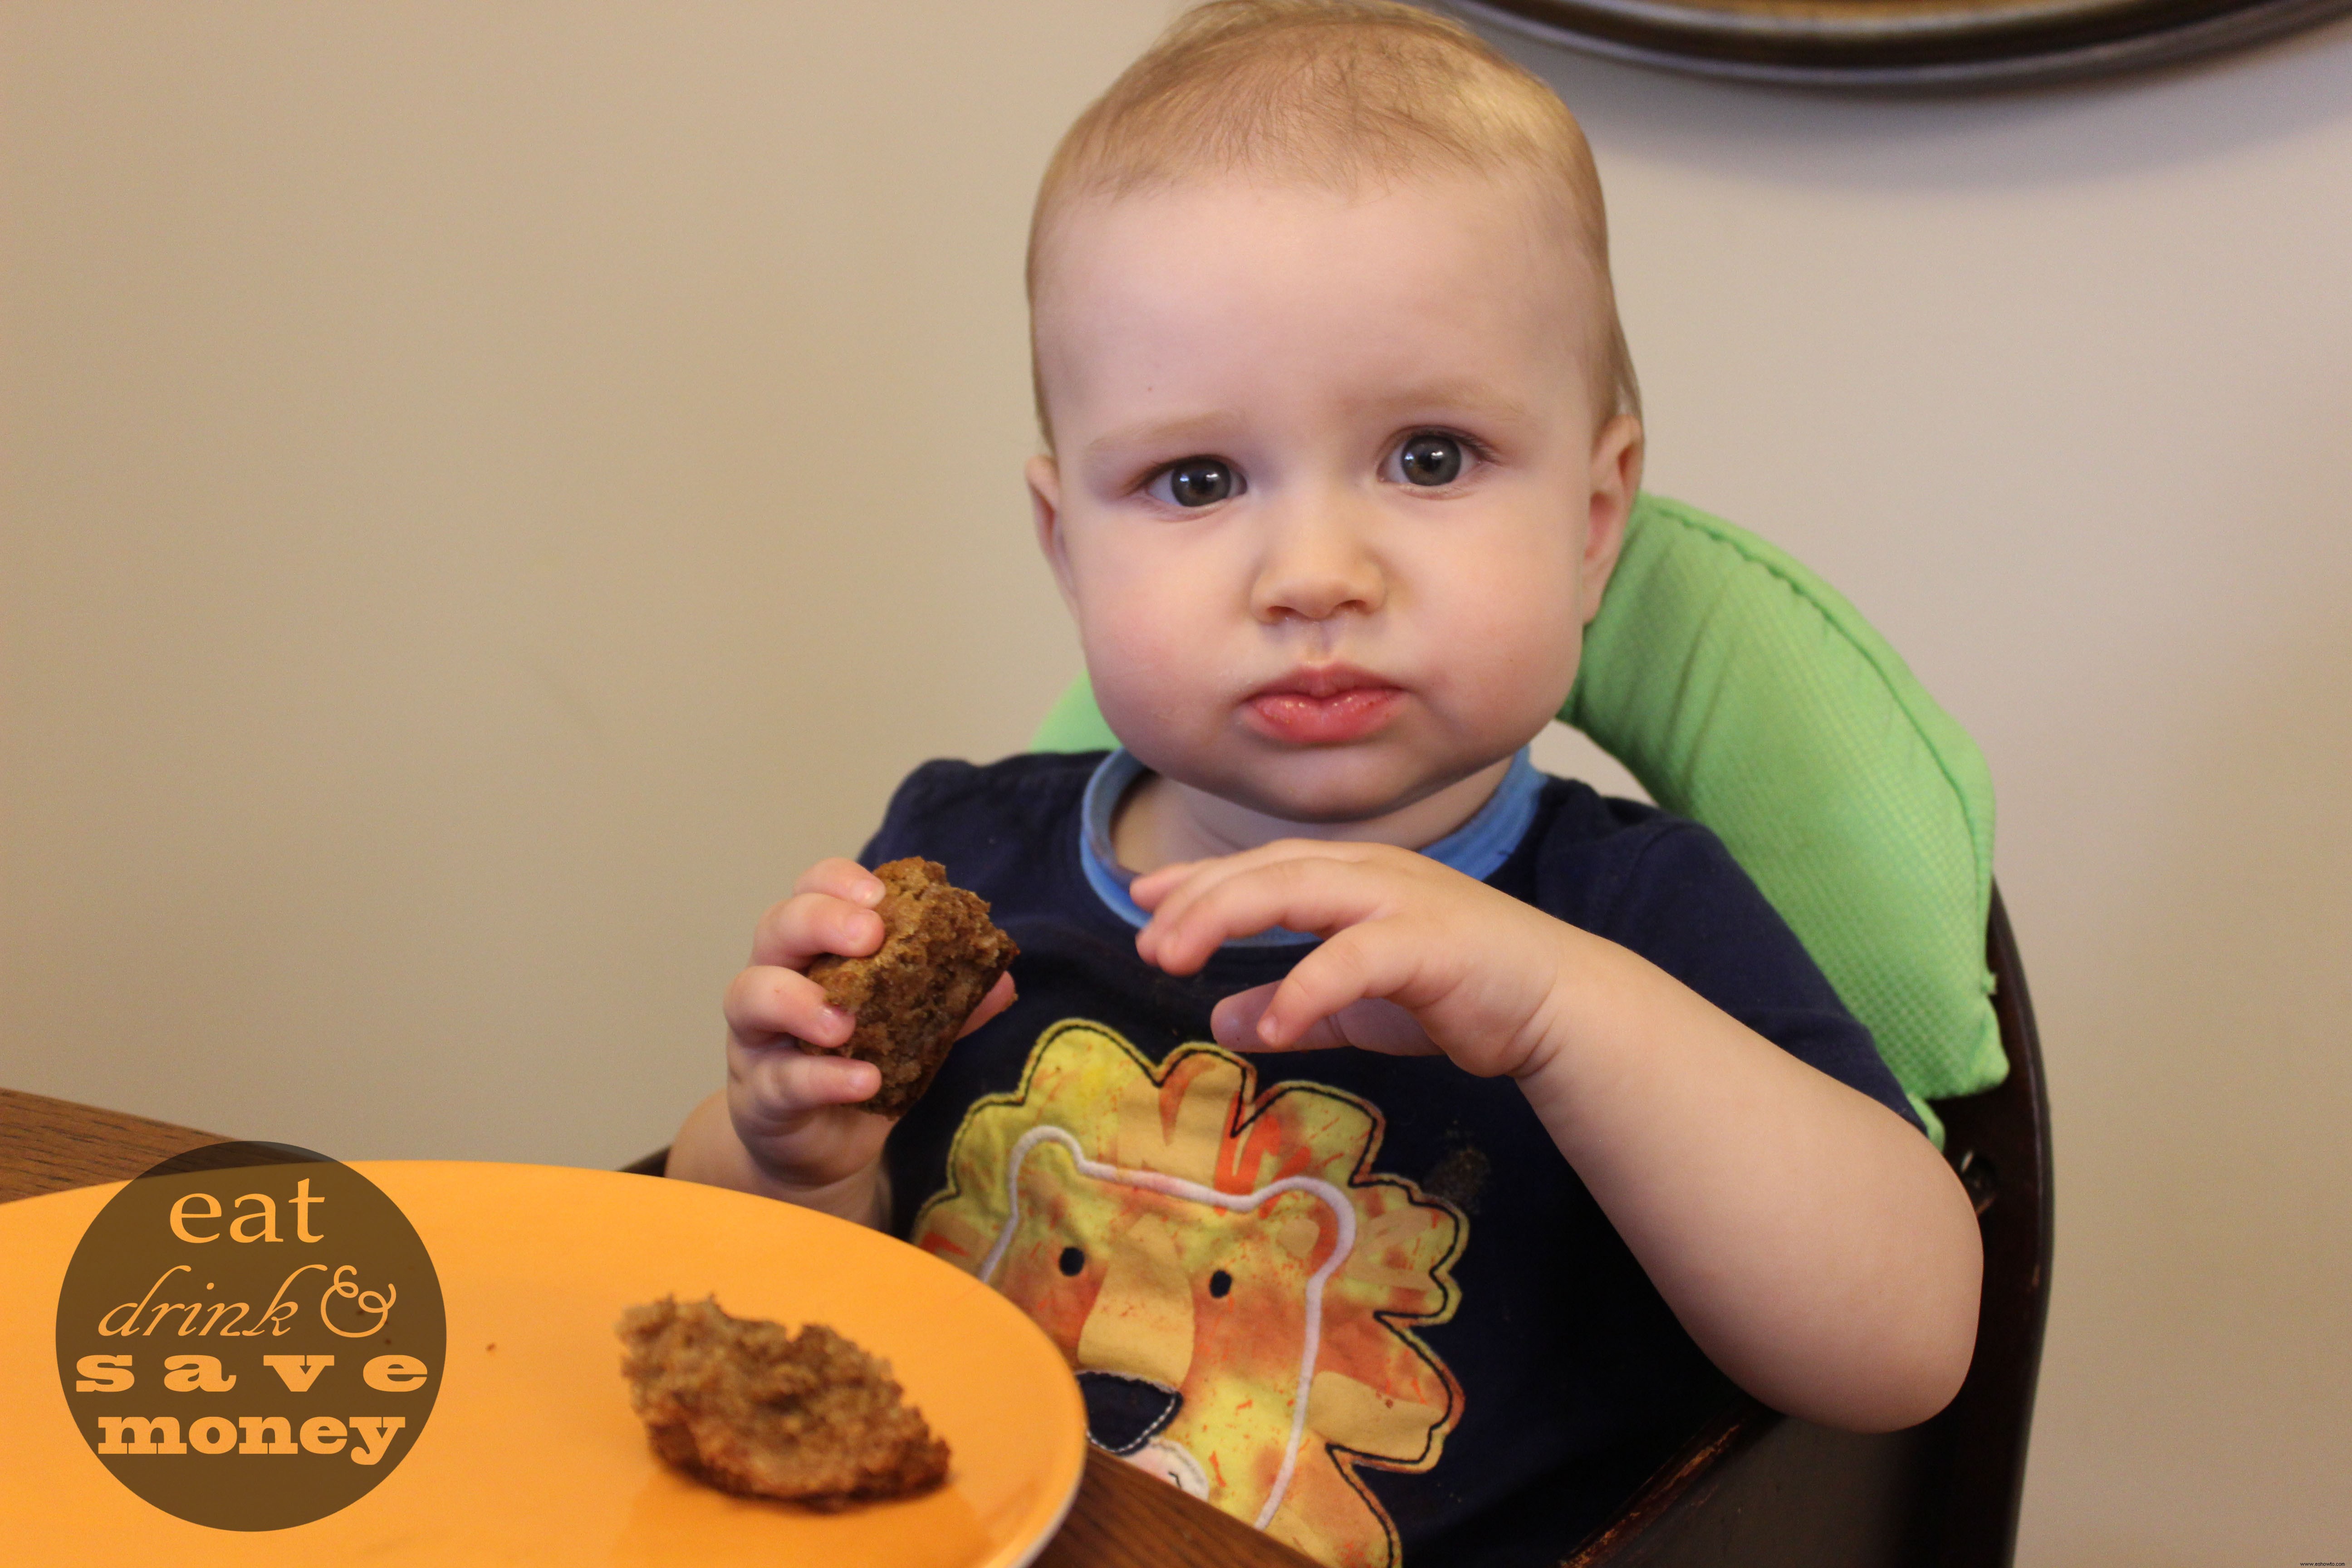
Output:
[[1747, 694]]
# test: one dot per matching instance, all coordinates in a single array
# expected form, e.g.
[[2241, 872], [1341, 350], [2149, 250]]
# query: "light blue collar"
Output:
[[1478, 848]]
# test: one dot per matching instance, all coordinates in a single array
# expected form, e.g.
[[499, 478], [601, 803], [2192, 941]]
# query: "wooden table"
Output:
[[1123, 1517]]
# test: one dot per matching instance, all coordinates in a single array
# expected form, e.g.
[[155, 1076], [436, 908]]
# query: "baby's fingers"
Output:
[[842, 878], [1000, 996], [1151, 887], [766, 1004], [1373, 1024], [1306, 893], [1171, 890], [810, 923], [1363, 963], [783, 1084]]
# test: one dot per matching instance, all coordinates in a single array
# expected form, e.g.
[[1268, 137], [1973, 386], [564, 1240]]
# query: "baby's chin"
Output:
[[1337, 792]]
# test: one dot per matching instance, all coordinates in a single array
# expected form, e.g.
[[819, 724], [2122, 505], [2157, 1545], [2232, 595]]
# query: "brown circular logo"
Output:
[[250, 1336]]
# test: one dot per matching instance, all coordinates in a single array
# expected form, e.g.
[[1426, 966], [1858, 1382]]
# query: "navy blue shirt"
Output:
[[1464, 1366]]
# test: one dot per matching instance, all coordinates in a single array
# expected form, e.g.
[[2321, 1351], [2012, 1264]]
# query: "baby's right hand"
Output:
[[796, 1111]]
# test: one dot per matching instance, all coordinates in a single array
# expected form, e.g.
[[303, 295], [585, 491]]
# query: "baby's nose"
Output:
[[1318, 565]]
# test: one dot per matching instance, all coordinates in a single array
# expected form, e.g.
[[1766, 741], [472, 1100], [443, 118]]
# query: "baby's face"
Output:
[[1327, 496]]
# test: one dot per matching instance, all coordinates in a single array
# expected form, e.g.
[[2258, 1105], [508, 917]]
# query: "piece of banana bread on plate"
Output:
[[749, 1406]]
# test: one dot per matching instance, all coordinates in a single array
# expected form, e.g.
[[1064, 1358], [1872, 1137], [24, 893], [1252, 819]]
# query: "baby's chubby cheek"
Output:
[[1154, 685], [1496, 669]]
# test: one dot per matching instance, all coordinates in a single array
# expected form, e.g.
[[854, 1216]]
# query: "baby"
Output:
[[1404, 1147]]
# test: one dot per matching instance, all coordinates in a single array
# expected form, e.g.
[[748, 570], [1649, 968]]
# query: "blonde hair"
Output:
[[1340, 93]]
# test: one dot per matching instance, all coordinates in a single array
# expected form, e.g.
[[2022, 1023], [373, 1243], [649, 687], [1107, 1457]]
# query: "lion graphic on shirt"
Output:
[[1236, 1290]]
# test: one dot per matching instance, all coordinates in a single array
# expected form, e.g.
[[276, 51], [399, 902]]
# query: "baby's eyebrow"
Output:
[[1198, 427], [1433, 399], [1472, 397]]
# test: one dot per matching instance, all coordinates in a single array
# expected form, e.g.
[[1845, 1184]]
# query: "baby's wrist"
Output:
[[860, 1195], [1558, 1069]]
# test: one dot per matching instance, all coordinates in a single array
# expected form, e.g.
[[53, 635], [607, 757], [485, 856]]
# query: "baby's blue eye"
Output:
[[1196, 482], [1430, 459]]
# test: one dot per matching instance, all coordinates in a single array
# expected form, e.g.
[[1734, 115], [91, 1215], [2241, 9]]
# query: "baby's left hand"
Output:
[[1417, 958], [1816, 1247]]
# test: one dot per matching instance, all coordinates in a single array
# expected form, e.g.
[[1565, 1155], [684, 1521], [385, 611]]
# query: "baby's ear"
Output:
[[1616, 481], [1045, 478]]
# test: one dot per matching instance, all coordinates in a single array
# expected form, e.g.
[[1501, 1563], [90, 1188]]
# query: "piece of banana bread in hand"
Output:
[[749, 1406], [939, 956]]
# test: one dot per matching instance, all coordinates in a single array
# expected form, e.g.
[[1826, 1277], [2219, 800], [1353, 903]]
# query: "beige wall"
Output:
[[490, 491]]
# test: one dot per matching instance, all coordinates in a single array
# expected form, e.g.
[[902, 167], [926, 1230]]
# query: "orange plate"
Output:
[[531, 1453]]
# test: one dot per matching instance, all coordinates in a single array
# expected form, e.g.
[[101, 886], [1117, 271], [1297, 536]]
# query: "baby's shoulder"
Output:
[[1572, 818], [1603, 863], [971, 815], [1030, 785]]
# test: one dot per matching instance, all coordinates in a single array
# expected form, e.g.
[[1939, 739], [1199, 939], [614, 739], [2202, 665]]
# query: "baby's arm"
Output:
[[1808, 1239], [788, 1125]]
